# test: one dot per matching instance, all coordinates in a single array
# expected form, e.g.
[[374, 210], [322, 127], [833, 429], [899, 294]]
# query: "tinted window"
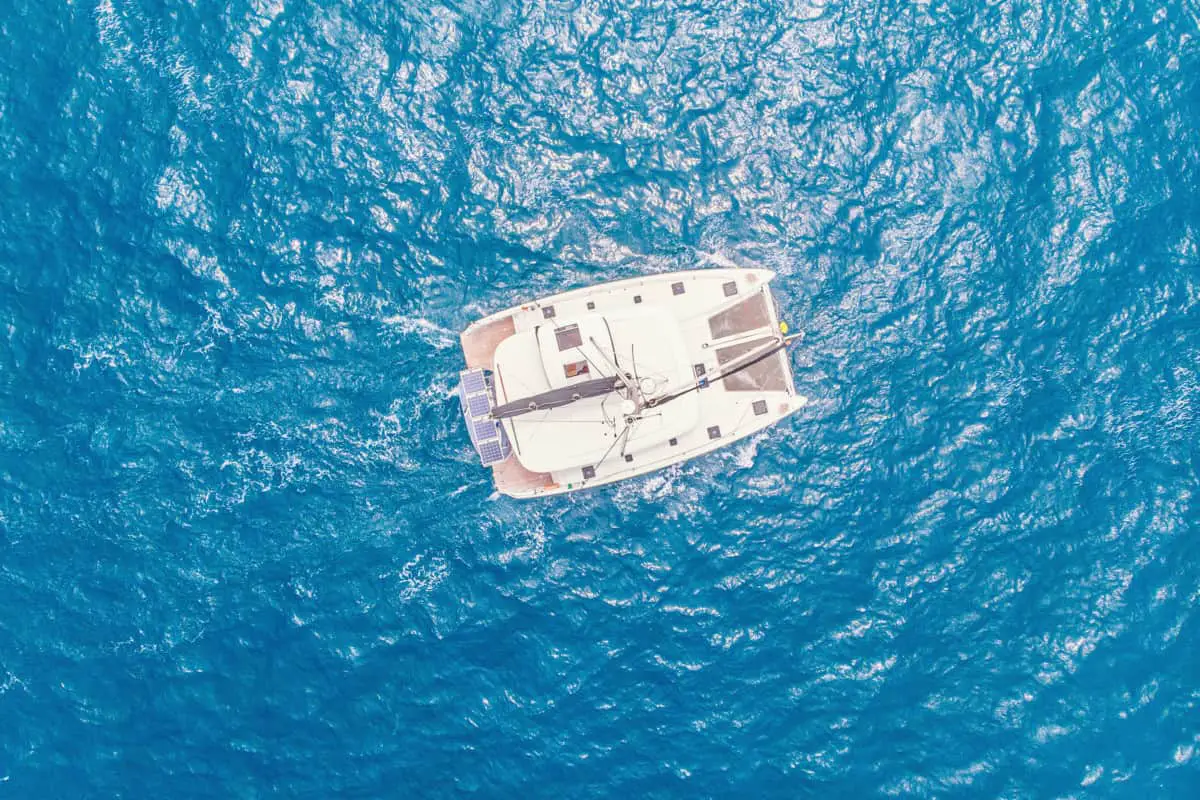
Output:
[[568, 337]]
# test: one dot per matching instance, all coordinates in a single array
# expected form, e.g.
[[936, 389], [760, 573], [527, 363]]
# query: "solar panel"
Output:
[[490, 452], [473, 382], [477, 396], [479, 405], [484, 430]]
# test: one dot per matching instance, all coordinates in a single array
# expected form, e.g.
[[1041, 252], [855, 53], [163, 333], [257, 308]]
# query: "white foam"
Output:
[[434, 334], [112, 34], [419, 576], [178, 194]]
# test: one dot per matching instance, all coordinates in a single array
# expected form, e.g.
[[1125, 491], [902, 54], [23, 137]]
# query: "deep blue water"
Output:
[[245, 548]]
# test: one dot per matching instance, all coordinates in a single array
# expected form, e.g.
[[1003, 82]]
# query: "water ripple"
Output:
[[244, 547]]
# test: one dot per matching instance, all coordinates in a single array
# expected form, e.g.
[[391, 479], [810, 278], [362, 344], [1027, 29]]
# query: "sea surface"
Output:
[[246, 549]]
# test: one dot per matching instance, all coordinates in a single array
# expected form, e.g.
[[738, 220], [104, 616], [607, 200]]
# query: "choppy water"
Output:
[[244, 548]]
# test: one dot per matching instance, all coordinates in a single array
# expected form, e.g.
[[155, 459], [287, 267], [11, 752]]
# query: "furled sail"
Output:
[[597, 387]]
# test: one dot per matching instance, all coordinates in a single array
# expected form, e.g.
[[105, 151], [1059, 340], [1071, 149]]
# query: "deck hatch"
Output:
[[568, 337]]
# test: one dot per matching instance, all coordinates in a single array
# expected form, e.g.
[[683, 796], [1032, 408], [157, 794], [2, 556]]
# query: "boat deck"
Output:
[[722, 316], [479, 344], [512, 478]]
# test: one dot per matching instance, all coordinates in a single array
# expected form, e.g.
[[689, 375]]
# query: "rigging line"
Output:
[[604, 410], [628, 428], [511, 430], [583, 353], [607, 452], [745, 336], [611, 343], [738, 425], [616, 369], [522, 387], [637, 380], [545, 413], [545, 419]]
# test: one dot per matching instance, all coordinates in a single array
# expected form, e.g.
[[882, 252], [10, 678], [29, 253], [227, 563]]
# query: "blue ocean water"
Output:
[[245, 549]]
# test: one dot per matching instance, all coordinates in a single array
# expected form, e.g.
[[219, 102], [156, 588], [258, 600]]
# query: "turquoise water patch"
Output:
[[246, 548]]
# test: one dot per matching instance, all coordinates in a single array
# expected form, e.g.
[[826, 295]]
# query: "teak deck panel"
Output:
[[479, 345]]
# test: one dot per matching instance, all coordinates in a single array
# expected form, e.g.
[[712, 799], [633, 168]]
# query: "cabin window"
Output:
[[568, 337], [576, 368]]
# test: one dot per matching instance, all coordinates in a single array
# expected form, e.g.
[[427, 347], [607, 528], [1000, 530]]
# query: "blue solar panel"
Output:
[[490, 452], [479, 405], [472, 381], [477, 397]]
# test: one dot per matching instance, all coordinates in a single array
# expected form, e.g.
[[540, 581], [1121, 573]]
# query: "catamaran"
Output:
[[616, 380]]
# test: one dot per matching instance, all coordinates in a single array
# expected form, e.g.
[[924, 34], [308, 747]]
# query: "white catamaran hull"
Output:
[[612, 381]]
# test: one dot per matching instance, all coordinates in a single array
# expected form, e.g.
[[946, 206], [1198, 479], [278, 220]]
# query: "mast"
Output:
[[598, 387]]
